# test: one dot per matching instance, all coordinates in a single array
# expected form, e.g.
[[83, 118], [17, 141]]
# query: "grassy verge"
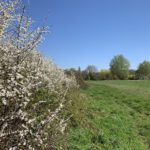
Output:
[[116, 117]]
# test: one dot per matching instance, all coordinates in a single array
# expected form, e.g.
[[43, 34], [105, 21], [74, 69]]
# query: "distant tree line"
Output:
[[119, 70]]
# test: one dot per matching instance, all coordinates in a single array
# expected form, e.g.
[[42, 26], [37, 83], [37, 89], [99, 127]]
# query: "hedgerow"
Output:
[[33, 90]]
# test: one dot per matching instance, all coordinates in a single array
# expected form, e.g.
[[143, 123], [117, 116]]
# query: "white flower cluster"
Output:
[[32, 89]]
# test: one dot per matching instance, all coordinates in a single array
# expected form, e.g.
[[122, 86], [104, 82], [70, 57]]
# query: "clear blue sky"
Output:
[[87, 32]]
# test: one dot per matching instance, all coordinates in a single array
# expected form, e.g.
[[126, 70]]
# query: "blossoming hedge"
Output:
[[33, 90]]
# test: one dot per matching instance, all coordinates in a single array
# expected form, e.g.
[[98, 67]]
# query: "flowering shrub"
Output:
[[33, 90]]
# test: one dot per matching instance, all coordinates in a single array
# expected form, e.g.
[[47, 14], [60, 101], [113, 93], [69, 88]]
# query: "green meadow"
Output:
[[115, 115]]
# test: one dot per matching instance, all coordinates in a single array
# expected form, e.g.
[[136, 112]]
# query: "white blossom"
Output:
[[24, 73]]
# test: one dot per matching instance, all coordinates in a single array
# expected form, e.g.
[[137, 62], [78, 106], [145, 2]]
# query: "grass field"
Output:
[[116, 117]]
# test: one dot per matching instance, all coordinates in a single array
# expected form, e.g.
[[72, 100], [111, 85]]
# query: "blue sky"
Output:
[[91, 32]]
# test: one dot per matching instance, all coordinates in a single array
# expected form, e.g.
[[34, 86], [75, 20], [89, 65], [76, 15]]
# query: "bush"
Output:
[[78, 76], [105, 75], [85, 75], [132, 75], [33, 90]]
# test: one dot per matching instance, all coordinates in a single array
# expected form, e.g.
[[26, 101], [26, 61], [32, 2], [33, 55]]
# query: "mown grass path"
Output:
[[116, 117]]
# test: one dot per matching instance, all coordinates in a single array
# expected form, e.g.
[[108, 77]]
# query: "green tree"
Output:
[[143, 71], [91, 71], [119, 67], [105, 75]]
